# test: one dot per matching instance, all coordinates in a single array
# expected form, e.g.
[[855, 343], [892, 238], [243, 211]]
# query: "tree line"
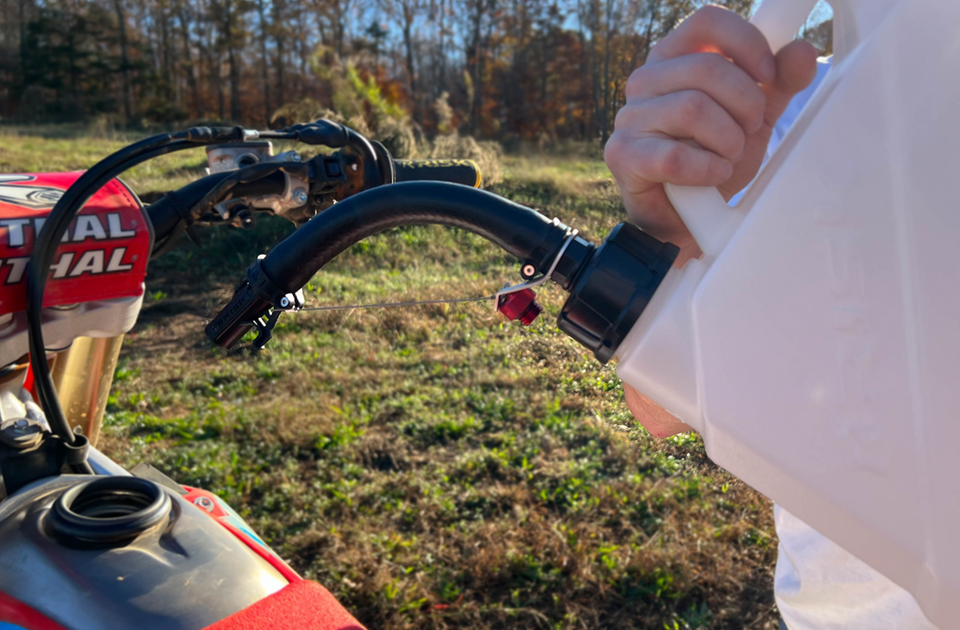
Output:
[[530, 69]]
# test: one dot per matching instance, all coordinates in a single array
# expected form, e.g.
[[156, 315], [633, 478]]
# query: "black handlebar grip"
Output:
[[465, 172]]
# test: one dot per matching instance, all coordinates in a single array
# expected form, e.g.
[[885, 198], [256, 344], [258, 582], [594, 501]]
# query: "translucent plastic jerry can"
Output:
[[816, 344]]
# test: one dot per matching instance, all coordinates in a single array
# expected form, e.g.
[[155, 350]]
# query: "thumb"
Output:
[[796, 68]]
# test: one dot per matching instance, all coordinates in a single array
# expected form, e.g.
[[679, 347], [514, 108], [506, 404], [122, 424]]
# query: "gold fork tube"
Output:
[[83, 375]]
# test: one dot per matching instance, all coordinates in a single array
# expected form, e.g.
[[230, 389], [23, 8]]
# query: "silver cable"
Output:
[[495, 297], [535, 282], [346, 307], [389, 304]]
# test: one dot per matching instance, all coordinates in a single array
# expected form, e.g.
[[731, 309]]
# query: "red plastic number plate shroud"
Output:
[[103, 255]]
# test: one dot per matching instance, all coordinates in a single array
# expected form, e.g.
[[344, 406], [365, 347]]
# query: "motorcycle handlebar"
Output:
[[167, 213], [465, 172]]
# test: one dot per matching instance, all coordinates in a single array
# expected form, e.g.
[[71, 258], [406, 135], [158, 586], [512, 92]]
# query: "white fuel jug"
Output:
[[816, 343]]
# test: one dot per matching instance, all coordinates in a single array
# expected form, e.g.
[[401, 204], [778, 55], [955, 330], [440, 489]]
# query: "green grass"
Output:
[[433, 466]]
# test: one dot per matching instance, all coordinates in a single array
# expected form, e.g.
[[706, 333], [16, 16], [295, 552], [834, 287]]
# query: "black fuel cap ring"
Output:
[[109, 510]]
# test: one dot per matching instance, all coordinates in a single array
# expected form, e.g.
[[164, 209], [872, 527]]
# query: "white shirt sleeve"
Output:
[[789, 115]]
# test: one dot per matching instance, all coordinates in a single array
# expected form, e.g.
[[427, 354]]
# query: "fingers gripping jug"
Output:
[[816, 343]]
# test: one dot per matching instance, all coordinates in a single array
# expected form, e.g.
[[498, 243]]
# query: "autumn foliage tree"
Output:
[[501, 69]]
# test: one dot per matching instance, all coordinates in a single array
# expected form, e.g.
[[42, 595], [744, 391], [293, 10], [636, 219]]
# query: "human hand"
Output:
[[713, 81]]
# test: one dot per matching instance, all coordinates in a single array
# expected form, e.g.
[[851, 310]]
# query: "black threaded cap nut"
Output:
[[609, 295]]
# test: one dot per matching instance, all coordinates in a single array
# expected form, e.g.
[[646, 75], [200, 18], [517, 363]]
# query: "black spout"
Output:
[[611, 286]]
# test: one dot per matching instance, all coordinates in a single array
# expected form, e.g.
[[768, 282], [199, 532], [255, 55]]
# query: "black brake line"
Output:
[[87, 185], [56, 225]]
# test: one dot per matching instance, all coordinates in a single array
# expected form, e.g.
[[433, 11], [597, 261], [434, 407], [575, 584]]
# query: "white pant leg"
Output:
[[820, 586]]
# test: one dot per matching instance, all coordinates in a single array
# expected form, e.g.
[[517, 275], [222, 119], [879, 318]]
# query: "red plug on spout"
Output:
[[520, 305]]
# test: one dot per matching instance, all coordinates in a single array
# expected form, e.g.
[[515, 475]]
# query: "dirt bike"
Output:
[[86, 544]]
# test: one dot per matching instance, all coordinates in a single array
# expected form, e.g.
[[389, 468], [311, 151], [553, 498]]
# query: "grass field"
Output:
[[433, 466]]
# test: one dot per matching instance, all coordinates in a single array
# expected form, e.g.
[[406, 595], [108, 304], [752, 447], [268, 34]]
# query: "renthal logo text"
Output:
[[72, 264], [97, 227]]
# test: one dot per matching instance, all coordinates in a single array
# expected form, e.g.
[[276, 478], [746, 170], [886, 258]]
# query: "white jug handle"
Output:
[[781, 20], [708, 217]]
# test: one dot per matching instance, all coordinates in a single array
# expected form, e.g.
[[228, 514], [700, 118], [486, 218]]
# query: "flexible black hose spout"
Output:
[[519, 230], [609, 285]]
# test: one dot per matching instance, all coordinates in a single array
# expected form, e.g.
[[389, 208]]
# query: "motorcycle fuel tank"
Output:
[[119, 553]]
